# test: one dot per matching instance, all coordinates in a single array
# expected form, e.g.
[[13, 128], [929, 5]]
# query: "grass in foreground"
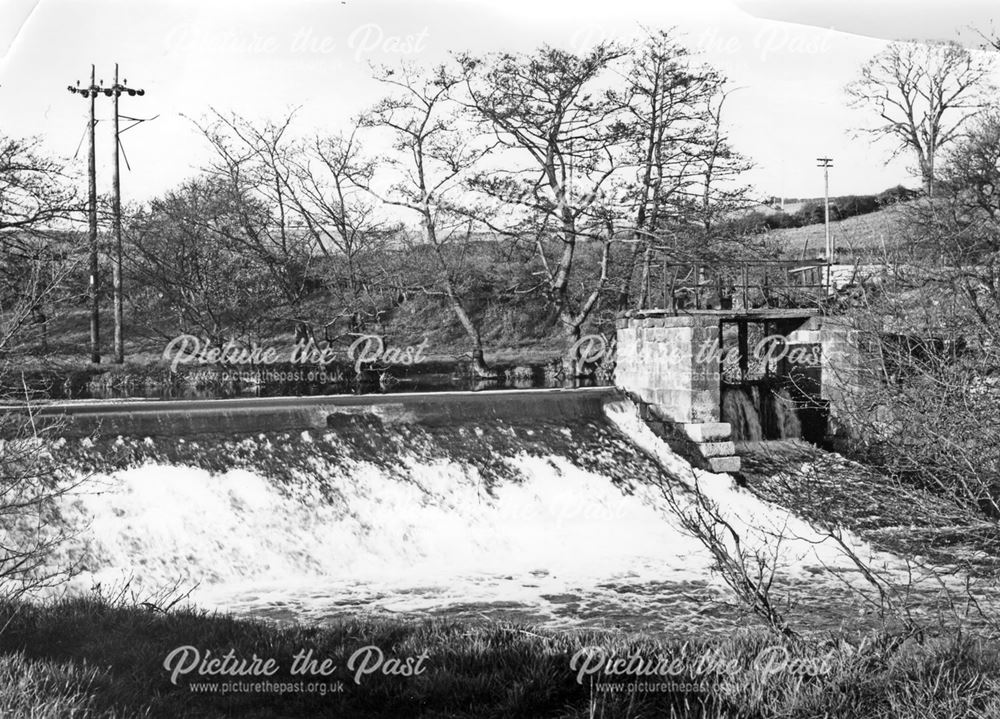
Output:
[[86, 658]]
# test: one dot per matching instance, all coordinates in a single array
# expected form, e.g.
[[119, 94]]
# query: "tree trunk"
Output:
[[927, 170], [560, 283], [571, 362], [625, 289], [644, 292], [304, 332], [479, 367], [573, 325]]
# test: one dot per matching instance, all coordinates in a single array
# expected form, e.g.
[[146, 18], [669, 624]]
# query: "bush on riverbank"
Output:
[[92, 658]]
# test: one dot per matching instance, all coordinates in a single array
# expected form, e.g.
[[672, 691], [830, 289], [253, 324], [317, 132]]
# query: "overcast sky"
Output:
[[791, 59]]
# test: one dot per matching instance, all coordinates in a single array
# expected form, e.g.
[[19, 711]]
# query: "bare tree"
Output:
[[36, 202], [929, 337], [38, 205], [562, 140], [435, 152], [31, 491], [257, 160], [924, 93], [345, 223], [35, 189], [187, 253], [666, 108], [718, 168]]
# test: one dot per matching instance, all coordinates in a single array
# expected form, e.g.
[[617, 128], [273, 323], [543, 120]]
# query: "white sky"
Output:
[[792, 59]]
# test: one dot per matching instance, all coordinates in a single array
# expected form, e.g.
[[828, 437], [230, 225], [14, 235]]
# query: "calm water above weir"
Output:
[[156, 383]]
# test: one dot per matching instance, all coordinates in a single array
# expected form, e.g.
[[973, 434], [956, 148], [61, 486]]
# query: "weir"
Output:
[[180, 418], [558, 518]]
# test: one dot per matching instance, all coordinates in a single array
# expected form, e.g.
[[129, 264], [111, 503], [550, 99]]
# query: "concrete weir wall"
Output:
[[667, 364], [188, 418]]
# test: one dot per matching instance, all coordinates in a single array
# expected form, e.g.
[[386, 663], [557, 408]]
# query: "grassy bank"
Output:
[[89, 658]]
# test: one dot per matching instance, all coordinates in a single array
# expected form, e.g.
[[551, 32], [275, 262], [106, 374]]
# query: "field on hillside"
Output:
[[859, 237]]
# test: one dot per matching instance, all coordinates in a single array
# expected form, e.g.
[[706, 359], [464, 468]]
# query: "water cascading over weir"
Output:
[[555, 507]]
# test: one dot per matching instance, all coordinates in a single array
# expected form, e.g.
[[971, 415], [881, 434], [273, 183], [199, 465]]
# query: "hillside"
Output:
[[857, 237]]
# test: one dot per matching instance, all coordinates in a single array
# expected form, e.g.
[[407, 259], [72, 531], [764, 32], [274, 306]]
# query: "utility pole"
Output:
[[826, 163], [91, 93], [116, 277], [95, 321]]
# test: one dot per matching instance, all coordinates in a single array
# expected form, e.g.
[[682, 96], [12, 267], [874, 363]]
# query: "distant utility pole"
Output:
[[91, 93], [826, 163], [95, 322], [116, 277]]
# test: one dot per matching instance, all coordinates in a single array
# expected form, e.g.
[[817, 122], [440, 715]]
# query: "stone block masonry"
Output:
[[669, 364], [840, 376]]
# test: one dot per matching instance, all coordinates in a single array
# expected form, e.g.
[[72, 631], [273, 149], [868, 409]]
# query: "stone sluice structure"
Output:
[[671, 363]]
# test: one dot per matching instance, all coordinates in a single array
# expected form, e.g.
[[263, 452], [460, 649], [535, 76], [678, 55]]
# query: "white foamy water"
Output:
[[553, 543], [803, 547], [237, 525]]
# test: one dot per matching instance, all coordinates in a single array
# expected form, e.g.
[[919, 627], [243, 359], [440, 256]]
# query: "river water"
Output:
[[558, 522]]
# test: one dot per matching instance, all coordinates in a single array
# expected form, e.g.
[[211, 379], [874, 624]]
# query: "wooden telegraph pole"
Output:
[[116, 278], [93, 287], [91, 93], [826, 163]]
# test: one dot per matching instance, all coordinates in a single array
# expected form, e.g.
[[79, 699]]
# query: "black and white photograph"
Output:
[[500, 359]]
